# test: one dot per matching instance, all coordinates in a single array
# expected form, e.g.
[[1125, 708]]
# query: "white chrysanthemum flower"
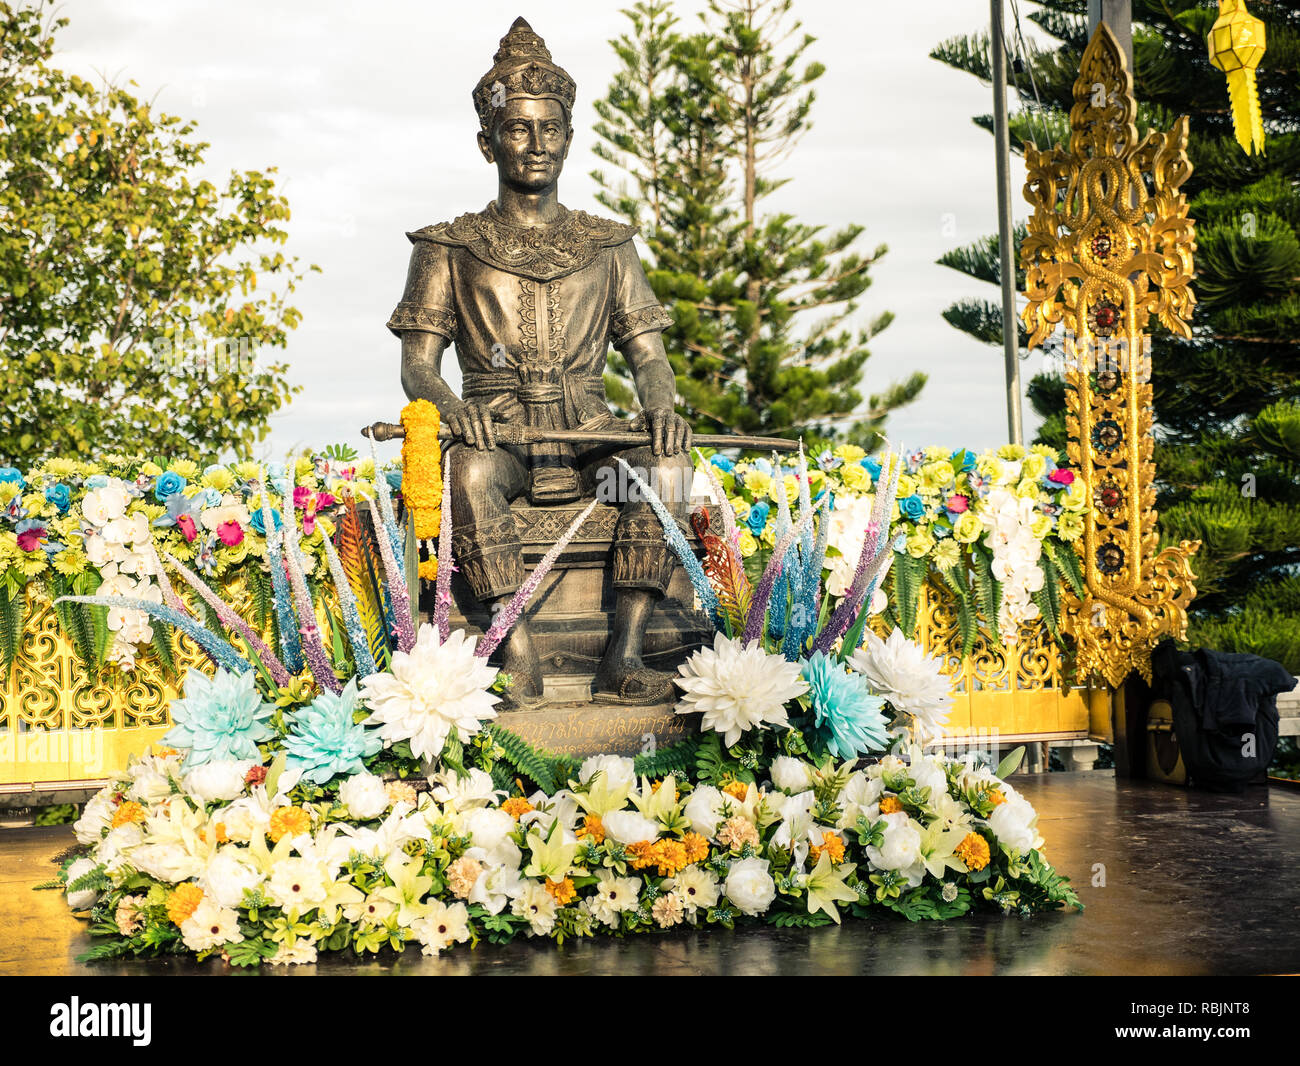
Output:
[[912, 681], [431, 690], [738, 687]]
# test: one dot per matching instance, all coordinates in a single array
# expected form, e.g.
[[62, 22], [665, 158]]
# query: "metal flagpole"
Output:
[[1002, 145]]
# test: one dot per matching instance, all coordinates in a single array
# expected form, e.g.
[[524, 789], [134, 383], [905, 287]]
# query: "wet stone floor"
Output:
[[1194, 884]]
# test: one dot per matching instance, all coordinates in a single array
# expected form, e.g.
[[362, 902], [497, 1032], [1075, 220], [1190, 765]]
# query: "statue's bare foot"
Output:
[[520, 661], [631, 681]]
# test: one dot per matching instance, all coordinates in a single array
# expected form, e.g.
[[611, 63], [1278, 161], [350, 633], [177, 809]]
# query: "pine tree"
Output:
[[762, 340], [1227, 401]]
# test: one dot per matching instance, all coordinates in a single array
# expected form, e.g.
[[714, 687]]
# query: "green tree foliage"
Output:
[[1227, 401], [763, 340], [115, 257]]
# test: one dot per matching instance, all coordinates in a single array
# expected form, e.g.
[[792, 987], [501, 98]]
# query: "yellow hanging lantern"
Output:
[[422, 474], [1236, 45]]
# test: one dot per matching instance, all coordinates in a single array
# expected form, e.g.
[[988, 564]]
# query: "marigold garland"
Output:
[[422, 472]]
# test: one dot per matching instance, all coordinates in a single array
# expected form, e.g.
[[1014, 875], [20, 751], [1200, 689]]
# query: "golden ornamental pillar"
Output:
[[1109, 245]]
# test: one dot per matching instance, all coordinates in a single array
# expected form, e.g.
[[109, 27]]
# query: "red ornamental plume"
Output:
[[723, 568]]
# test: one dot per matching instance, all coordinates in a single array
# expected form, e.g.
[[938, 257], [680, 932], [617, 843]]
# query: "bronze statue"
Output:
[[532, 295]]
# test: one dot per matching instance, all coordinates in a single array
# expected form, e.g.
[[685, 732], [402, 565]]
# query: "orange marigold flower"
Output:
[[128, 812], [422, 467], [222, 836], [890, 805], [697, 848], [516, 807], [561, 891], [592, 827], [165, 753], [973, 851], [736, 789], [832, 843], [183, 902], [288, 820], [428, 570], [995, 797]]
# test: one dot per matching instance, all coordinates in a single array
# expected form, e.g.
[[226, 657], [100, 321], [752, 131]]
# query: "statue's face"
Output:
[[528, 143]]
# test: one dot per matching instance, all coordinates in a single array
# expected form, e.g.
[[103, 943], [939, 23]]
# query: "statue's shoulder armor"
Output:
[[569, 244]]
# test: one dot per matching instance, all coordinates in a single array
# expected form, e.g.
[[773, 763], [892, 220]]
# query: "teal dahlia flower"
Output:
[[847, 716], [219, 717], [325, 742]]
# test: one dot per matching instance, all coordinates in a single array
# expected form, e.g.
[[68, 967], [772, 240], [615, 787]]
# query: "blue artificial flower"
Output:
[[394, 478], [257, 522], [871, 467], [59, 495], [211, 497], [847, 716], [912, 507], [762, 466], [722, 463], [168, 484], [179, 504], [963, 461], [96, 481], [12, 474], [828, 460], [219, 718], [276, 469], [757, 518], [324, 741]]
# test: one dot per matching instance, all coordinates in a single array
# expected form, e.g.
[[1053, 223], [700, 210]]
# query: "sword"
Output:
[[511, 433]]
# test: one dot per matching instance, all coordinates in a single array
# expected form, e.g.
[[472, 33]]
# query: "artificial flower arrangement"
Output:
[[81, 528], [361, 807], [996, 530]]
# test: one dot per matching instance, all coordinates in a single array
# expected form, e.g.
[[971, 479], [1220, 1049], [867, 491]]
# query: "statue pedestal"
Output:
[[571, 615]]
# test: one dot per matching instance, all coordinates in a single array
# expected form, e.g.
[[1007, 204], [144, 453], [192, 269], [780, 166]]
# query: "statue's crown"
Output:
[[522, 67]]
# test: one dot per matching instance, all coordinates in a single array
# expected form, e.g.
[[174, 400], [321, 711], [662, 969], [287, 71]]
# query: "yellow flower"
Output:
[[8, 490], [151, 469], [1011, 452], [1027, 489], [1041, 526], [592, 827], [428, 569], [219, 478], [967, 528], [1046, 451], [748, 545], [759, 483], [366, 468], [736, 789], [987, 466], [832, 843], [850, 453], [947, 554], [1069, 525], [855, 477], [70, 562], [934, 453], [906, 486], [973, 851], [768, 536], [187, 468], [791, 484], [1075, 497], [249, 470], [697, 847], [60, 468], [919, 544], [739, 506], [303, 469], [37, 504], [1034, 466], [292, 821], [937, 474], [183, 902], [422, 467]]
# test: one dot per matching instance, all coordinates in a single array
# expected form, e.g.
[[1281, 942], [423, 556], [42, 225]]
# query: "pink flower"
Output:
[[325, 499], [957, 504], [1061, 476], [309, 523], [301, 494], [186, 525], [231, 533], [30, 539]]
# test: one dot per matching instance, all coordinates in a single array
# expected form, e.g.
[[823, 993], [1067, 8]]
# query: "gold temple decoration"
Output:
[[1236, 44], [1108, 246]]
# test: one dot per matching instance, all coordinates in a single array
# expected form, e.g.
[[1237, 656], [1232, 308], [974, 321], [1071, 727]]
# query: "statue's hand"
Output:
[[670, 433], [471, 421]]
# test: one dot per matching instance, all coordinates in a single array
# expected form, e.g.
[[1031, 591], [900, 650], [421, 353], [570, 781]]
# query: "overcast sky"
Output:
[[365, 111]]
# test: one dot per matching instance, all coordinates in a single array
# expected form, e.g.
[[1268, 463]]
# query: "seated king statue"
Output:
[[533, 295]]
